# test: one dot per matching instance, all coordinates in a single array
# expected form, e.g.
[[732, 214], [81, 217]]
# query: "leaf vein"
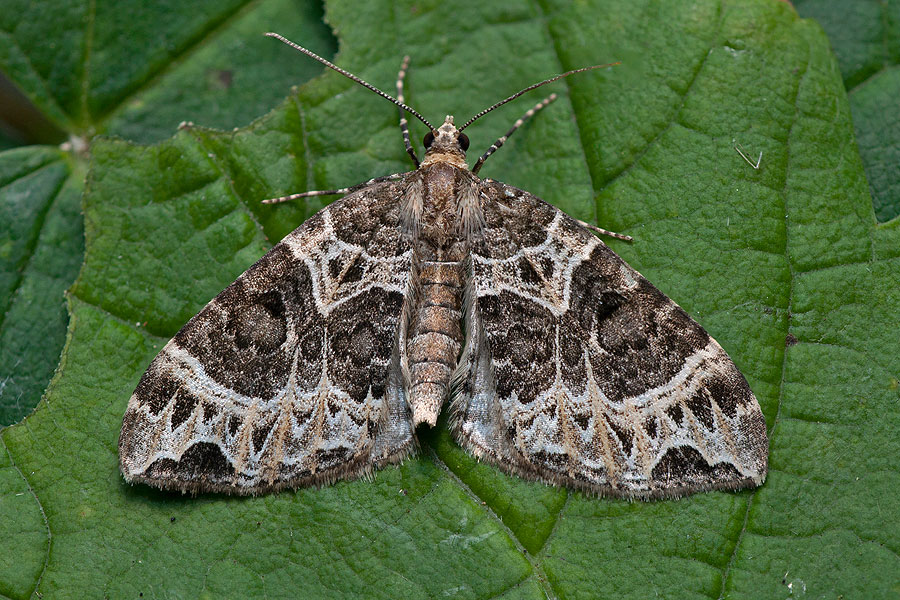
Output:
[[40, 506], [31, 246]]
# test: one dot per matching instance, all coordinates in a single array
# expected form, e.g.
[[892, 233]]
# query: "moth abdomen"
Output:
[[435, 337]]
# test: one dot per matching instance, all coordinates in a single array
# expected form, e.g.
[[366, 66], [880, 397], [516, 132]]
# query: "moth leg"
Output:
[[502, 139], [342, 191], [404, 126], [601, 231]]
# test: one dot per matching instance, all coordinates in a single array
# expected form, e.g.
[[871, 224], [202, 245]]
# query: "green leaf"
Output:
[[878, 135], [135, 71], [865, 35], [229, 77], [785, 265], [41, 246], [139, 69]]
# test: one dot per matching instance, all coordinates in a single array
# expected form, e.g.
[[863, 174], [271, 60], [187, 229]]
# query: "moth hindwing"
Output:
[[557, 360]]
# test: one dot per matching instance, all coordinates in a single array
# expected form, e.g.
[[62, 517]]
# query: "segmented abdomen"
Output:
[[434, 338]]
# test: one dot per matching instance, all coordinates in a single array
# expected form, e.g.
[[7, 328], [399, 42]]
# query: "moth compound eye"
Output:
[[429, 139], [463, 141]]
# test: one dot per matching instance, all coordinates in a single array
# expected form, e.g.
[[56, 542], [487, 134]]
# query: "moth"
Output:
[[557, 361]]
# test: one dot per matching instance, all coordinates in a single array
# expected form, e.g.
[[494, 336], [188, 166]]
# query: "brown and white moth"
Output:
[[561, 363]]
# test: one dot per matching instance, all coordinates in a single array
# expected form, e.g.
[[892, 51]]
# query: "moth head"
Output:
[[446, 143]]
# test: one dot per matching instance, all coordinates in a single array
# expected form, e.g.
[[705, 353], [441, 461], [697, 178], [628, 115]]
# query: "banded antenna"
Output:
[[350, 75], [411, 110]]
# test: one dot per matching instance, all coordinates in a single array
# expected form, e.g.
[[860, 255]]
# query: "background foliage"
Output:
[[786, 265]]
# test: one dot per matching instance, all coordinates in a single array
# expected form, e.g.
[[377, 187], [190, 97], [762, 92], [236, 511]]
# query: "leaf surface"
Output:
[[41, 246]]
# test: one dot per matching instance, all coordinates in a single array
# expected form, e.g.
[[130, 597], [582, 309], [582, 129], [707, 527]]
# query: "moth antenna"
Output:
[[502, 139], [350, 75], [404, 126], [531, 87]]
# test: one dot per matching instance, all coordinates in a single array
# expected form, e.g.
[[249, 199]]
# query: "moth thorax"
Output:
[[435, 336], [442, 185]]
